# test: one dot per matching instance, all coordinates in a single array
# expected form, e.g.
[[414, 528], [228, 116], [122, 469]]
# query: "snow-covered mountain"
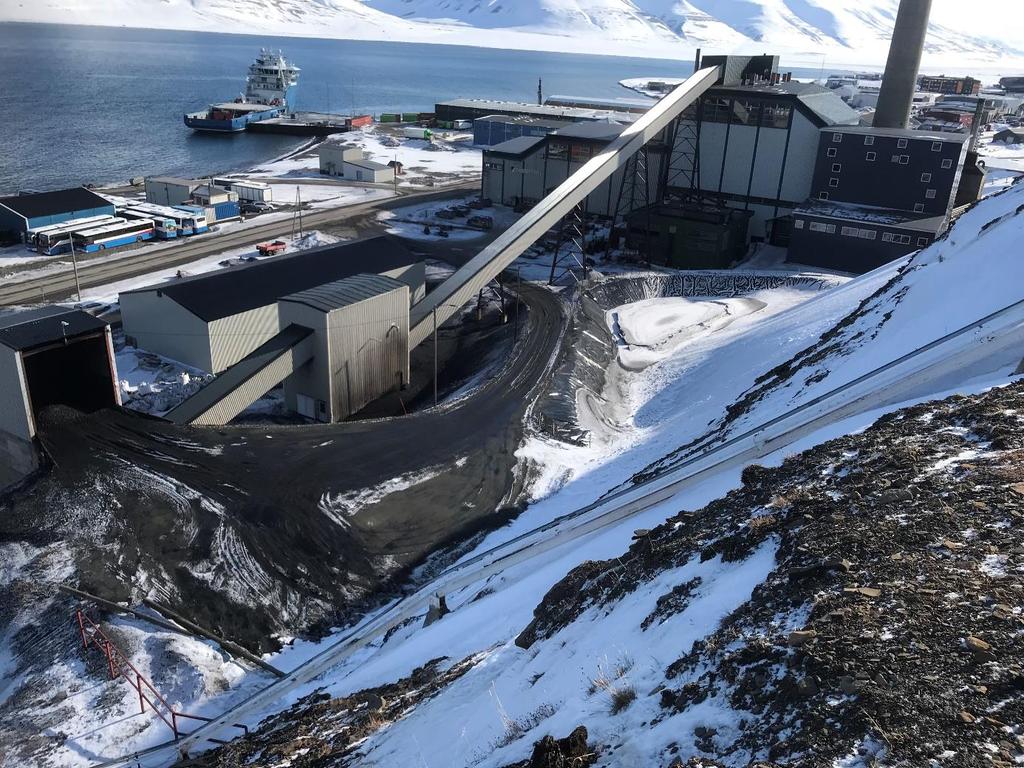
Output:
[[843, 32]]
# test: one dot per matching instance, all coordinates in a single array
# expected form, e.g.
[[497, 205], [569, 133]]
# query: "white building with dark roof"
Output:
[[212, 321]]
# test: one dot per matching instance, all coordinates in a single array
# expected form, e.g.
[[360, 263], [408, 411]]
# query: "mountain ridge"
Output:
[[664, 28]]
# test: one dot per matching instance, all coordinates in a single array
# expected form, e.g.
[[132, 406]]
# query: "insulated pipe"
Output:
[[486, 265], [900, 79]]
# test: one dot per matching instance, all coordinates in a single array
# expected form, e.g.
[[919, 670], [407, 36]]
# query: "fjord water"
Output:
[[99, 105]]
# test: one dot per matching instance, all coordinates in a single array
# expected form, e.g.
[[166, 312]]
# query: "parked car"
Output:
[[256, 206], [480, 222], [480, 203]]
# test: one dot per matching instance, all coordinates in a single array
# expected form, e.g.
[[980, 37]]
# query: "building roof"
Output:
[[52, 203], [888, 217], [901, 133], [346, 292], [537, 110], [591, 131], [618, 104], [523, 120], [175, 180], [227, 292], [517, 147], [1019, 132], [35, 327], [824, 106]]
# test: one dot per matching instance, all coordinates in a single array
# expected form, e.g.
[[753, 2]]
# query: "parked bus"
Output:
[[113, 235], [166, 227], [195, 218], [55, 233]]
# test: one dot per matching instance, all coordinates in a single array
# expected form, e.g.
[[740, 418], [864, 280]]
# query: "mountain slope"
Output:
[[667, 28]]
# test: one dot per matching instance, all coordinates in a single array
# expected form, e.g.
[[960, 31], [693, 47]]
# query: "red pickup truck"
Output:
[[271, 249]]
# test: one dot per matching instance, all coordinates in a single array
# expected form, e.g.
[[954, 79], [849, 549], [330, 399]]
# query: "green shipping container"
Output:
[[389, 117], [410, 117]]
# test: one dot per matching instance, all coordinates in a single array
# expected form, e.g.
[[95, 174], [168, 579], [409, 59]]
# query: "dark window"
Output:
[[823, 195], [887, 237], [901, 144], [870, 157], [926, 177], [918, 207], [904, 159], [869, 140], [929, 194], [922, 241], [936, 146], [837, 167], [833, 182], [947, 163], [558, 149], [831, 152], [837, 137]]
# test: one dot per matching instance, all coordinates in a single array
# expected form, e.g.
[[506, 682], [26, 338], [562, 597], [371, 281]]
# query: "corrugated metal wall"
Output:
[[312, 379], [369, 350], [253, 389], [161, 325], [15, 415], [234, 337]]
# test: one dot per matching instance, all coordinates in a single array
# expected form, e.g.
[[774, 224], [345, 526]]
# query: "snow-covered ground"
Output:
[[409, 221], [423, 161], [108, 293]]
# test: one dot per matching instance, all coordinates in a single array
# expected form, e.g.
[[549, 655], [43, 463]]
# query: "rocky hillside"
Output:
[[867, 605]]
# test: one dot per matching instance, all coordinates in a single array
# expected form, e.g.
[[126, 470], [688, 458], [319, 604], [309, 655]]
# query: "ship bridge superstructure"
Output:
[[271, 79]]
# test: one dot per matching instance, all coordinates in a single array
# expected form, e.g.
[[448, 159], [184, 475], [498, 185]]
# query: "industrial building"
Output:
[[170, 190], [497, 129], [213, 321], [877, 194], [636, 106], [689, 235], [756, 144], [340, 346], [943, 84], [20, 213], [359, 345], [1009, 136], [521, 171], [51, 355], [350, 162]]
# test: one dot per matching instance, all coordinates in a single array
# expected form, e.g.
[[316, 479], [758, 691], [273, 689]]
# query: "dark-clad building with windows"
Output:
[[876, 194]]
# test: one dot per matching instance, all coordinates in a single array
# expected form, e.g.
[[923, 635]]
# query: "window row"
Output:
[[866, 234]]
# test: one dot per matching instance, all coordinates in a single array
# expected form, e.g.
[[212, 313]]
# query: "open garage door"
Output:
[[76, 373]]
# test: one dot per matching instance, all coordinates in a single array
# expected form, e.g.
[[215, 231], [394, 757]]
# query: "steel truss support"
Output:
[[571, 249]]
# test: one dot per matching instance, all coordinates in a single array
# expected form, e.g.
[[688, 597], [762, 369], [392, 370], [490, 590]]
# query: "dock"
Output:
[[310, 124]]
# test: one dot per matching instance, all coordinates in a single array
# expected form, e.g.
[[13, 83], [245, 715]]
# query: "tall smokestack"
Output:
[[900, 79]]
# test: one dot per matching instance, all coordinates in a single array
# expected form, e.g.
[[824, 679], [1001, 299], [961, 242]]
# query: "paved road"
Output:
[[58, 285]]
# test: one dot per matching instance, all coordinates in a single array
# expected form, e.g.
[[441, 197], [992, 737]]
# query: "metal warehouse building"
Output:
[[47, 356], [360, 345], [212, 321], [21, 213]]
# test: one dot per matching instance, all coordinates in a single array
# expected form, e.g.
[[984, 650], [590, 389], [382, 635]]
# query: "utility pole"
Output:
[[435, 356], [74, 263], [540, 92]]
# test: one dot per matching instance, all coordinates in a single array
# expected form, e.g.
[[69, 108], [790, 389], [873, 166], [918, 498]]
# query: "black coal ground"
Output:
[[228, 525]]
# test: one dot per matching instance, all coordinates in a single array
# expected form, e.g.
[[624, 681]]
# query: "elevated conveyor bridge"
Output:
[[462, 286]]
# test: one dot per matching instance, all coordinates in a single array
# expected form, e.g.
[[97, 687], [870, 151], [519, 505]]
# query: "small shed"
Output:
[[360, 346], [50, 355], [1010, 136], [20, 213]]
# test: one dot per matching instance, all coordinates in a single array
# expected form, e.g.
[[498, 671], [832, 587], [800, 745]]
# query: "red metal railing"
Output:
[[119, 666]]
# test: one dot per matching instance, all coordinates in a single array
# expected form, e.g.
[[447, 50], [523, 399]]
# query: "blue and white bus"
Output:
[[53, 235], [194, 218], [113, 235], [165, 226]]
